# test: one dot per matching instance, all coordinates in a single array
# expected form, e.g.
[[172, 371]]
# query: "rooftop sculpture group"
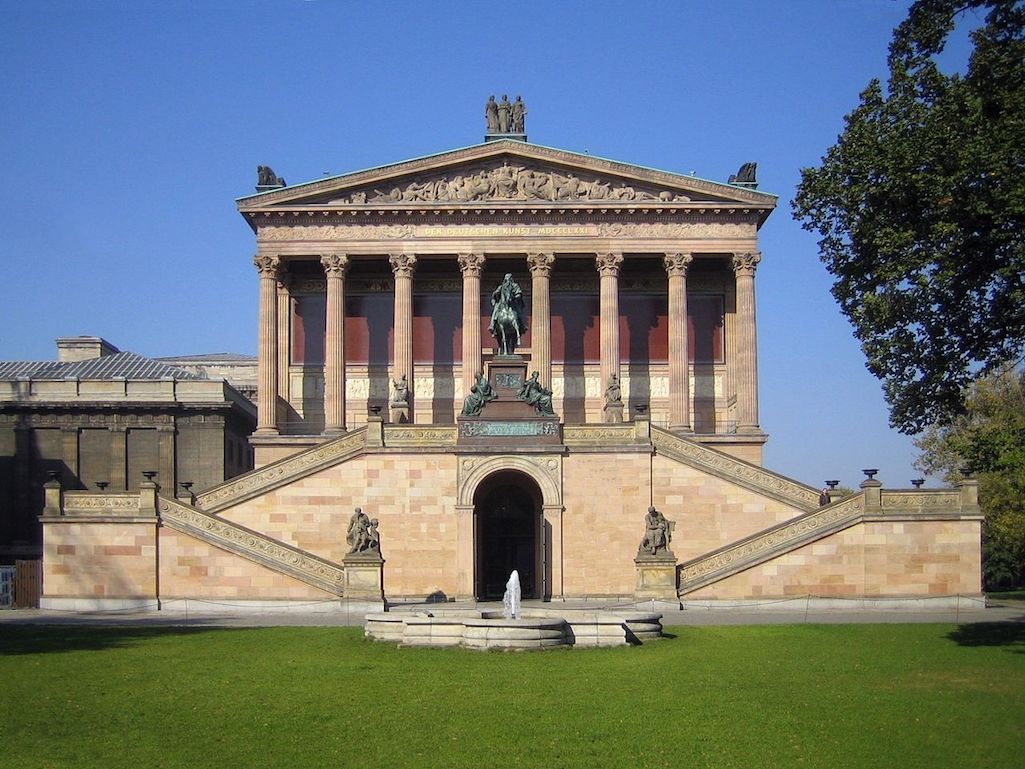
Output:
[[505, 118]]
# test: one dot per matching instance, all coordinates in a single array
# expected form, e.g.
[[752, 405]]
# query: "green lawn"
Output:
[[768, 696]]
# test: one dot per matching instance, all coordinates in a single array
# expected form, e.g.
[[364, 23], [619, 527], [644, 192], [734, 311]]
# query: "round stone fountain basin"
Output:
[[534, 629]]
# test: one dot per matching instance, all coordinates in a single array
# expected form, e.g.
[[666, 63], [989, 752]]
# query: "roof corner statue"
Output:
[[507, 322], [747, 176], [267, 179]]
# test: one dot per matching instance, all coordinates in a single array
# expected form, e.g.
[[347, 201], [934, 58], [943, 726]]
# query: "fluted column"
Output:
[[608, 268], [470, 265], [269, 268], [166, 479], [744, 266], [402, 266], [541, 315], [335, 266], [679, 355], [118, 458]]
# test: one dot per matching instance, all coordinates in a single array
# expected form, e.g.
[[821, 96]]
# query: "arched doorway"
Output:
[[509, 534]]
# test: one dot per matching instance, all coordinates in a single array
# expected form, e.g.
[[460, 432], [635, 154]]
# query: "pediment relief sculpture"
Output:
[[511, 183]]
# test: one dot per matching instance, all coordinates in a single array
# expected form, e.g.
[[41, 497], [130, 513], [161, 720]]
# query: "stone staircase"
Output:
[[284, 471], [729, 468], [252, 545]]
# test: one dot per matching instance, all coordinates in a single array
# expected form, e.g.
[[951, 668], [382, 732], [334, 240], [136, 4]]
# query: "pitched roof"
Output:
[[122, 365]]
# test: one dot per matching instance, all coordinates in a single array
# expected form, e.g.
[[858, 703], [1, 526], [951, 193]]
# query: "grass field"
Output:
[[766, 696]]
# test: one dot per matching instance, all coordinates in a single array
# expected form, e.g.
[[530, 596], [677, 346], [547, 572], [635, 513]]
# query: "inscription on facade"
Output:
[[507, 231], [488, 429]]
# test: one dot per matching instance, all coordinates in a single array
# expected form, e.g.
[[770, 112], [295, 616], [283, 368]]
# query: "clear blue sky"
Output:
[[130, 127]]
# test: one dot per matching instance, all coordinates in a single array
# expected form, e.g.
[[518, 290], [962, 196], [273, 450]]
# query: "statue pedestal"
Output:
[[507, 421], [364, 577], [656, 576], [399, 412], [613, 412]]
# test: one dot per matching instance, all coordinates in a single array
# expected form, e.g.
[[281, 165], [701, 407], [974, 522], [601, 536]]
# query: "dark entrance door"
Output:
[[507, 521]]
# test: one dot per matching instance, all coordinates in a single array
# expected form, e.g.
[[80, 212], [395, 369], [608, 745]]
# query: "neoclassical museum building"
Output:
[[638, 291]]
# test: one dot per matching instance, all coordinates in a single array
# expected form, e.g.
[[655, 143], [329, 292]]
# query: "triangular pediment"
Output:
[[506, 173]]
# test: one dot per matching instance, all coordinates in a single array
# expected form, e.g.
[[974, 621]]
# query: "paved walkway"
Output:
[[200, 614]]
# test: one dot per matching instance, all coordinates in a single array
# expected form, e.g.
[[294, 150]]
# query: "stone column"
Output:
[[608, 268], [118, 458], [69, 454], [744, 266], [165, 463], [402, 266], [269, 268], [679, 355], [335, 266], [470, 265], [541, 315]]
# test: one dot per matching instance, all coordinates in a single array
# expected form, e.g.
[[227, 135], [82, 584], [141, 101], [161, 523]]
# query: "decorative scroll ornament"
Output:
[[540, 264], [745, 264], [335, 265], [402, 264], [267, 266], [678, 263], [608, 264], [471, 264], [513, 183]]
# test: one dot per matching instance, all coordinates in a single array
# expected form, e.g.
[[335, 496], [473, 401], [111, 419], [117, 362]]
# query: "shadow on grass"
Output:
[[53, 639], [1011, 634]]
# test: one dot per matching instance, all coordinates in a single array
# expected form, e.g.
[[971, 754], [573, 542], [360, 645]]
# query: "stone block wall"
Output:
[[412, 496], [872, 559], [190, 568], [605, 498], [100, 559]]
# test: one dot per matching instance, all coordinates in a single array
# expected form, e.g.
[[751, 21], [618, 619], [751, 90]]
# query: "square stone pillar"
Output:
[[656, 577], [364, 577]]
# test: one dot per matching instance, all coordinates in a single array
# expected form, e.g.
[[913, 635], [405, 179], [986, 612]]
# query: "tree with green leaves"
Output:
[[920, 206], [988, 441]]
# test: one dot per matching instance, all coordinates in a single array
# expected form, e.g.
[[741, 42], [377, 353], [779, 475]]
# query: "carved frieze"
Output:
[[723, 226], [419, 436], [511, 183]]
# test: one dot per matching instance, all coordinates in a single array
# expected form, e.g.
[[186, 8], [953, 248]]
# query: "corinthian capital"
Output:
[[335, 265], [608, 264], [677, 263], [540, 264], [402, 264], [267, 266], [470, 264], [745, 264]]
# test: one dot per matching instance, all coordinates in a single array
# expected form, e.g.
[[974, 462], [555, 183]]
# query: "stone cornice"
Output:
[[512, 151], [283, 471], [252, 545], [737, 471]]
